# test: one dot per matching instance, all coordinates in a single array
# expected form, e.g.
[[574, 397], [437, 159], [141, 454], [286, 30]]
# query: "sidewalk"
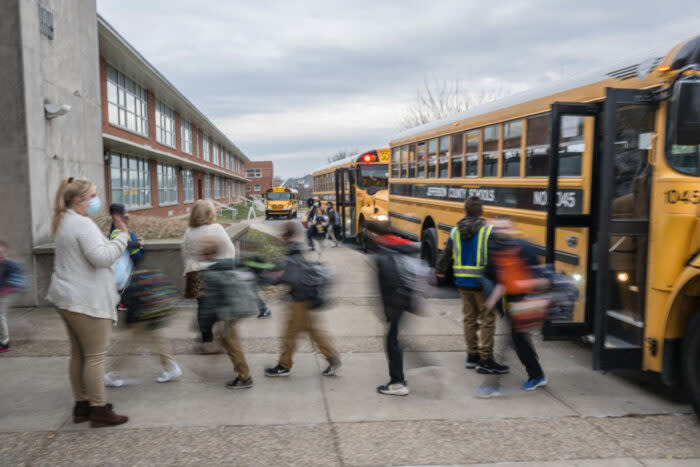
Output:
[[616, 419]]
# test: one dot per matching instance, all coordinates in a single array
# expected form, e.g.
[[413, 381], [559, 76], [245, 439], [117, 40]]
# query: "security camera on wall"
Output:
[[55, 110]]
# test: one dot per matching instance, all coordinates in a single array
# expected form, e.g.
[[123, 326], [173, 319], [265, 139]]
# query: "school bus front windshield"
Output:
[[373, 175], [279, 196]]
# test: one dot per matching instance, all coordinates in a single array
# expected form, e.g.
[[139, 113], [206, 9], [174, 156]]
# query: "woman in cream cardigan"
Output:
[[203, 226], [83, 289]]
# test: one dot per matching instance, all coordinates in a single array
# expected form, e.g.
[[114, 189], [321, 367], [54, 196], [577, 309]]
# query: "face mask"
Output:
[[316, 204], [94, 206]]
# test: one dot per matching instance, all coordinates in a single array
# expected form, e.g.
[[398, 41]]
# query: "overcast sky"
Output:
[[297, 81]]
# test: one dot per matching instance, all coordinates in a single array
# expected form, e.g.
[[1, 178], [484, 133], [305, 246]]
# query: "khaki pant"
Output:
[[232, 344], [478, 320], [144, 335], [300, 319], [89, 339]]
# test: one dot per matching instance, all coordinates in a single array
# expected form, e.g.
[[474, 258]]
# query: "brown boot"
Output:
[[105, 416], [81, 412]]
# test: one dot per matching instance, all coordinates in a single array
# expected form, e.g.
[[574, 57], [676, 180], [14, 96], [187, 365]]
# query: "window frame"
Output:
[[185, 142], [165, 117], [123, 86], [143, 180], [187, 185]]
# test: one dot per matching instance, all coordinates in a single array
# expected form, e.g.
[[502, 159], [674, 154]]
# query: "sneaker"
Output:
[[394, 389], [488, 391], [113, 381], [121, 308], [239, 383], [333, 368], [489, 367], [534, 383], [472, 361], [265, 313], [276, 371], [5, 347], [171, 374]]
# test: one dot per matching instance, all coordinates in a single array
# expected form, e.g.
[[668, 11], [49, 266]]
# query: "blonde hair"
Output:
[[67, 191], [203, 213]]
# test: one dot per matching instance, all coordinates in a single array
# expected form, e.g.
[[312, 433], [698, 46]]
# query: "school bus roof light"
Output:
[[367, 158], [664, 68]]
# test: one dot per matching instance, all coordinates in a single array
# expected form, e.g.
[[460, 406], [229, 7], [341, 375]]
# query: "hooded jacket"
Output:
[[468, 228]]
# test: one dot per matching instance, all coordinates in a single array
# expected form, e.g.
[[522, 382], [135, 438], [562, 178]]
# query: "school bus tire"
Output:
[[690, 361], [428, 246]]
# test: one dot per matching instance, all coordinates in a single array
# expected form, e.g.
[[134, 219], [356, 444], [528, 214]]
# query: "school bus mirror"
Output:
[[686, 113]]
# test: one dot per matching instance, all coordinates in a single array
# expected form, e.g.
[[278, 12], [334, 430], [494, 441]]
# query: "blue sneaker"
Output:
[[488, 391], [534, 383]]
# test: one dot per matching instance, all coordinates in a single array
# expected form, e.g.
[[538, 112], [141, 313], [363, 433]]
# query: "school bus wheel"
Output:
[[428, 246], [690, 361]]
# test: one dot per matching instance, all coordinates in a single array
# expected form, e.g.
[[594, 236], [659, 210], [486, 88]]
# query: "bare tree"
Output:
[[337, 156], [442, 99]]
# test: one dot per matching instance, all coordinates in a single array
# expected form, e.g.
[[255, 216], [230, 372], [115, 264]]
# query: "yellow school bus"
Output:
[[358, 187], [602, 174], [281, 202]]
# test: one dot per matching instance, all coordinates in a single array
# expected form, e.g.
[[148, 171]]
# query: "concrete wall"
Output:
[[62, 70], [163, 255]]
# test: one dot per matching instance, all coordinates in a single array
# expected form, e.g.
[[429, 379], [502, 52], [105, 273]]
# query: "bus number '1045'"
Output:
[[687, 196]]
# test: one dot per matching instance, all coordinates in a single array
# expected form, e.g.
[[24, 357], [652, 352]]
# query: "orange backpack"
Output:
[[512, 271]]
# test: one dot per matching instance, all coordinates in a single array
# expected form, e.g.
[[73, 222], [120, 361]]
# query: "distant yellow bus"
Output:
[[359, 187], [602, 174], [281, 202]]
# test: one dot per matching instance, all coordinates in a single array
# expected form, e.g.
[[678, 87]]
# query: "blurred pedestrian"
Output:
[[320, 226], [84, 291], [227, 298], [396, 286], [465, 254], [135, 244], [333, 223], [513, 268], [12, 282], [304, 293], [203, 225], [310, 221]]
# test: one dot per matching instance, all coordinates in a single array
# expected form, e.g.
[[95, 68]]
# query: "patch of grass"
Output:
[[150, 227], [265, 245], [241, 214]]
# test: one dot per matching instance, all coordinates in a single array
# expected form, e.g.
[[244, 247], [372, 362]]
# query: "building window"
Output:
[[217, 161], [186, 136], [167, 185], [127, 102], [256, 188], [131, 181], [187, 186], [205, 147], [165, 125], [217, 187], [254, 173], [248, 188], [195, 134], [207, 187]]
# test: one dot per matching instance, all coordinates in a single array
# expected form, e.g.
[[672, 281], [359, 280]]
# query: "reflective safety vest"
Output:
[[469, 256]]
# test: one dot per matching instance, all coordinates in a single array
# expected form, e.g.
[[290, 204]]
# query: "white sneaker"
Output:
[[172, 373], [393, 389], [113, 381]]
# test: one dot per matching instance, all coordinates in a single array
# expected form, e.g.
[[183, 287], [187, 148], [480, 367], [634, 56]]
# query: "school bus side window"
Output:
[[471, 157], [432, 158], [512, 134], [404, 162], [395, 164], [457, 155], [443, 158], [571, 146], [420, 160], [538, 146], [412, 161], [490, 156]]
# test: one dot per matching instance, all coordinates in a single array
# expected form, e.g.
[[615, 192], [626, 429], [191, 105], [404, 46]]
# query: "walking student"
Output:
[[12, 281], [202, 225], [512, 265], [397, 297], [300, 316], [466, 253], [148, 333], [216, 302], [333, 223], [83, 289]]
